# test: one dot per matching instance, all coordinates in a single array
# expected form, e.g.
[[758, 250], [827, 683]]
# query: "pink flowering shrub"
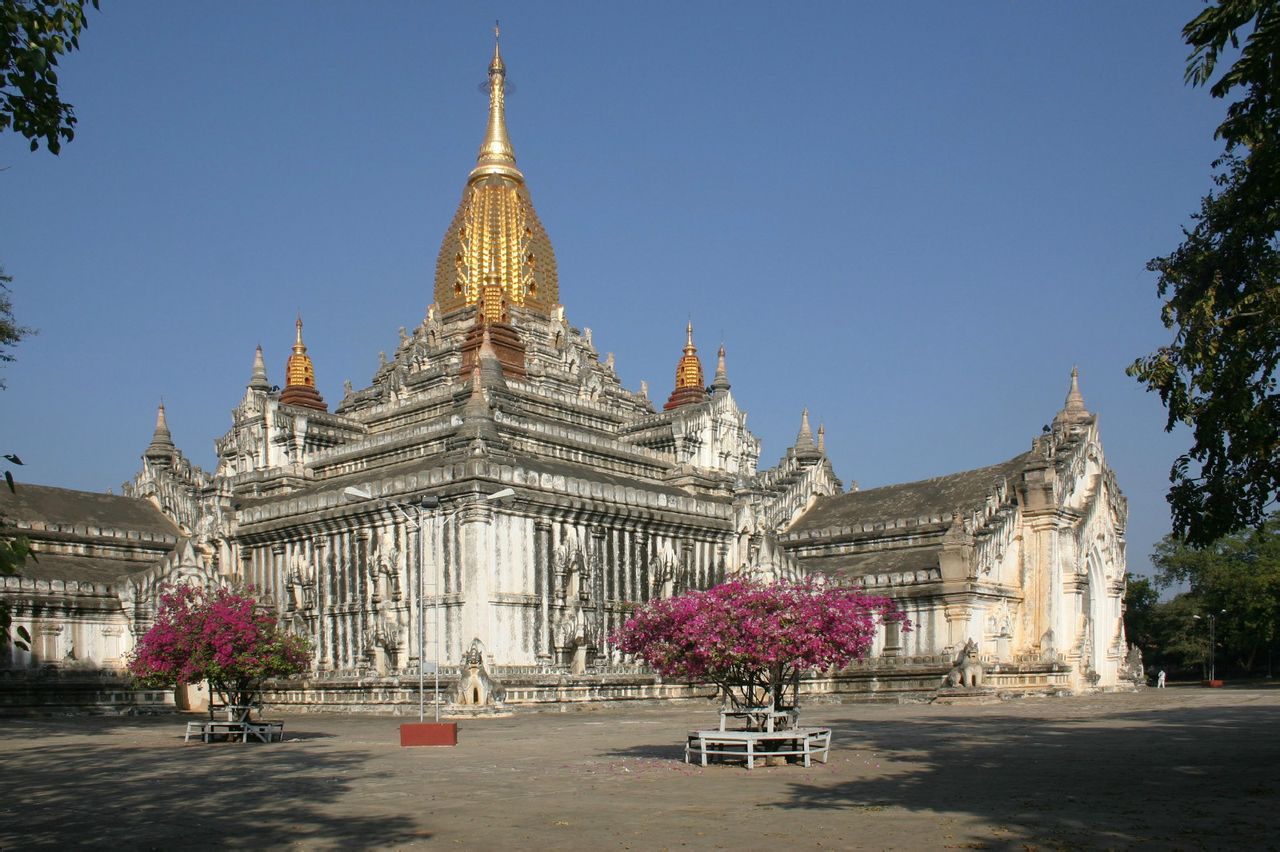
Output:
[[755, 639], [221, 636]]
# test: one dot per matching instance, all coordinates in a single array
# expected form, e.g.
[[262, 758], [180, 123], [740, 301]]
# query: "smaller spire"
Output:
[[805, 447], [1075, 400], [488, 365], [161, 448], [477, 405], [1073, 409], [259, 381], [720, 383], [822, 438]]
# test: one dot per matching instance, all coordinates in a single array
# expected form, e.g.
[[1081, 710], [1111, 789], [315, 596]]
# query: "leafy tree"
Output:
[[10, 331], [754, 640], [1237, 578], [1180, 641], [1141, 598], [15, 549], [34, 34], [1221, 288], [223, 637]]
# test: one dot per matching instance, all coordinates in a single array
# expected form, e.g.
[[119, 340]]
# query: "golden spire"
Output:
[[689, 383], [299, 371], [495, 238], [300, 376], [496, 156]]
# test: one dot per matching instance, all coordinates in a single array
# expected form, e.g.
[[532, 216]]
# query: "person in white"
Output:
[[1160, 680]]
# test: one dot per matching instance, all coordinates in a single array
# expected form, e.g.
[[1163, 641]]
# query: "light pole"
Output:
[[420, 524], [1213, 621]]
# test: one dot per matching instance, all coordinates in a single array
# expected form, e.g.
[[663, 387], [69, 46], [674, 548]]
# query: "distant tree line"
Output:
[[1233, 581]]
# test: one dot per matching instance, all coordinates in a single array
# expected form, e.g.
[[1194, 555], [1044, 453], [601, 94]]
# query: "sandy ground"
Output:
[[1182, 768]]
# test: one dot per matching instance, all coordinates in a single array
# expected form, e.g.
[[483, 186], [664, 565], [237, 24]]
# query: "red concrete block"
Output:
[[429, 734]]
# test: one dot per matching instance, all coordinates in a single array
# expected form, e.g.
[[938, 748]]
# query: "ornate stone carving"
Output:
[[968, 670], [475, 686]]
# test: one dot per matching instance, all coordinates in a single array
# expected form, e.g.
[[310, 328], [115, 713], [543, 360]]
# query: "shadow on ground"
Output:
[[1189, 777], [61, 791]]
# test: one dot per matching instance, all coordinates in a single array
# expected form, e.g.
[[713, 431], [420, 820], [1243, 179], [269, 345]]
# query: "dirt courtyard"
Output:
[[1181, 768]]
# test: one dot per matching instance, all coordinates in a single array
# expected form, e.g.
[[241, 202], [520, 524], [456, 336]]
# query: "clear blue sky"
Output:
[[911, 217]]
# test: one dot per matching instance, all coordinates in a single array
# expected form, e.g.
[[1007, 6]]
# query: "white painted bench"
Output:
[[264, 731], [805, 743], [762, 717], [209, 728]]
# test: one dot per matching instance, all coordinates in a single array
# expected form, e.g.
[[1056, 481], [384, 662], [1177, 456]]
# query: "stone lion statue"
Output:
[[967, 671]]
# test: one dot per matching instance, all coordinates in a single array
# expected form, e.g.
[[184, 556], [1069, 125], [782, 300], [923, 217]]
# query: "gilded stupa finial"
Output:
[[496, 230], [690, 386], [300, 376], [496, 156]]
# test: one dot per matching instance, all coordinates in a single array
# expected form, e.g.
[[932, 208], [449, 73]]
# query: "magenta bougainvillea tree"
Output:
[[755, 639], [222, 636]]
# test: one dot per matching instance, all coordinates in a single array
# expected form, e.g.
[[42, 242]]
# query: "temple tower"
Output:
[[495, 244], [690, 387], [300, 376]]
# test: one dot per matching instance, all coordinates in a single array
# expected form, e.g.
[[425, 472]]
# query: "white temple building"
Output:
[[616, 499]]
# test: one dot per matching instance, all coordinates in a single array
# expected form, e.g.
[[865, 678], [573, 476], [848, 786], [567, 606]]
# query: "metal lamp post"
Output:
[[1213, 622], [420, 524]]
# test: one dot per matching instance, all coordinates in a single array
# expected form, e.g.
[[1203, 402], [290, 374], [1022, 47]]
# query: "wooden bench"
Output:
[[236, 724], [762, 717], [805, 743], [264, 732]]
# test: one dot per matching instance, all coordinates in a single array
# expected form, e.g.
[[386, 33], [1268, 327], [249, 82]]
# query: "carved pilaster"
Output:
[[686, 579], [542, 588], [957, 624]]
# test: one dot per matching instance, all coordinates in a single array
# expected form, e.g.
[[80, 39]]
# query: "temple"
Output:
[[615, 500]]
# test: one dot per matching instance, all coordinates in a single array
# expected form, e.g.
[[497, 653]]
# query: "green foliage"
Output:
[[1237, 578], [10, 331], [15, 549], [1221, 291], [1180, 640], [1141, 598], [34, 34]]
